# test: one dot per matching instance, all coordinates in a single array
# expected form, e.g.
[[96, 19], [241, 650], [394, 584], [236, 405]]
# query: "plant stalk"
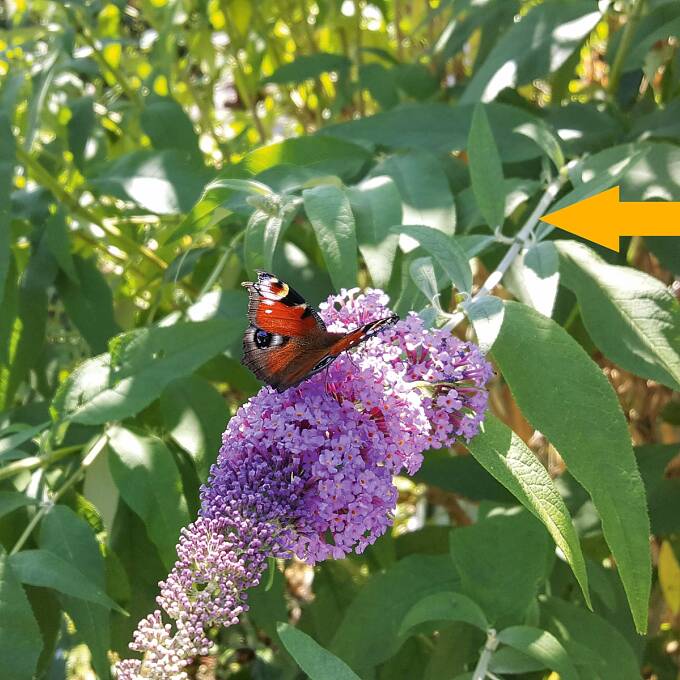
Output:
[[89, 458], [624, 46], [485, 657]]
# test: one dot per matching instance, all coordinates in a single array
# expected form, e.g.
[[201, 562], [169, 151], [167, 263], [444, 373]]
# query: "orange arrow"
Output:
[[603, 218]]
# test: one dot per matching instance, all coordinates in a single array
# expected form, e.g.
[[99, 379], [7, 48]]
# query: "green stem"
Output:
[[43, 177], [217, 270], [33, 462], [92, 453], [624, 46], [103, 62], [485, 657]]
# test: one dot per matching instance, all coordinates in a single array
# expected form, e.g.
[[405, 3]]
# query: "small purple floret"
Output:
[[309, 472]]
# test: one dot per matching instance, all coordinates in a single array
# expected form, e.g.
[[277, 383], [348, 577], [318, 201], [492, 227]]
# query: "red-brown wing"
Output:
[[353, 338], [284, 362], [275, 307]]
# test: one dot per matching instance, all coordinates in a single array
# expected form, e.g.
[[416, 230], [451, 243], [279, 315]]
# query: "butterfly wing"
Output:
[[287, 341], [275, 307]]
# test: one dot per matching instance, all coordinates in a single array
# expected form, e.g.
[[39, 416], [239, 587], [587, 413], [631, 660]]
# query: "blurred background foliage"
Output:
[[153, 153]]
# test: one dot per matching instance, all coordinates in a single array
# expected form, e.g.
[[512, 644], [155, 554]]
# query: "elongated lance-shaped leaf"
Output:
[[565, 395]]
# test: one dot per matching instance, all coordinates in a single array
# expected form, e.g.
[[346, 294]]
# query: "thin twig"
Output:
[[489, 648], [33, 462], [44, 178], [624, 46], [92, 453], [522, 236]]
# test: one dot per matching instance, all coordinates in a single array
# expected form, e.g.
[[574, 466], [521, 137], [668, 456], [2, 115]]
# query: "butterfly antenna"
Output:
[[349, 356]]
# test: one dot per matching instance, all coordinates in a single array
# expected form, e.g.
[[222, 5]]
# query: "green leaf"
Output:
[[195, 414], [44, 568], [79, 128], [11, 500], [503, 594], [422, 272], [60, 245], [486, 314], [446, 251], [631, 316], [129, 539], [6, 185], [461, 475], [486, 170], [567, 398], [425, 193], [441, 128], [163, 182], [330, 214], [65, 534], [541, 645], [534, 277], [516, 191], [316, 662], [445, 607], [511, 462], [663, 490], [140, 364], [20, 641], [546, 139], [369, 631], [308, 67], [590, 640], [380, 82], [149, 482], [89, 303], [263, 232], [27, 334], [19, 435], [326, 155], [376, 205], [169, 127], [536, 45]]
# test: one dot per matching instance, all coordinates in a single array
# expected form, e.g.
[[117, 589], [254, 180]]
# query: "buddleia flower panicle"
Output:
[[309, 472]]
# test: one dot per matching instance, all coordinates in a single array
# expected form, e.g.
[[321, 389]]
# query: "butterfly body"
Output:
[[287, 341]]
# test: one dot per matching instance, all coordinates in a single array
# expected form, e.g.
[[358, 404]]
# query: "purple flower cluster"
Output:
[[309, 472]]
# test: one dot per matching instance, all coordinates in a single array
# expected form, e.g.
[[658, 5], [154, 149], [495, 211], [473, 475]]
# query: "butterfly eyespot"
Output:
[[262, 339]]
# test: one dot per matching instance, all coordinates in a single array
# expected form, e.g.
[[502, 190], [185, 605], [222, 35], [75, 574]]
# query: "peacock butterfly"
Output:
[[287, 341]]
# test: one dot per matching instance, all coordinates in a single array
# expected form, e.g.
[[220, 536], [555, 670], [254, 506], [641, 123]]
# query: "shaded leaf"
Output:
[[424, 189], [330, 214], [20, 641], [195, 415], [631, 316], [553, 30], [89, 303], [445, 607], [511, 462], [486, 314], [140, 364], [44, 568], [486, 170], [65, 534], [368, 633], [376, 205], [307, 67], [446, 252], [503, 594], [592, 642], [313, 659], [541, 645], [149, 482]]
